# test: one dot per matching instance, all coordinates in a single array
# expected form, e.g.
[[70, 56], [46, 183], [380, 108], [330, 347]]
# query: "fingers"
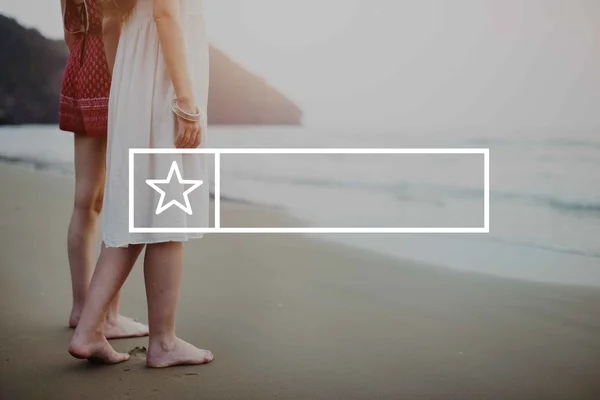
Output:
[[180, 134], [189, 136], [183, 137], [196, 142]]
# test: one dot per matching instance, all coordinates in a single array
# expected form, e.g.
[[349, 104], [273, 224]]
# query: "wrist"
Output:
[[188, 112], [187, 104]]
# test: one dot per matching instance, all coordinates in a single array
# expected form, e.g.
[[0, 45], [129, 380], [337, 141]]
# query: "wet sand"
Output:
[[291, 317]]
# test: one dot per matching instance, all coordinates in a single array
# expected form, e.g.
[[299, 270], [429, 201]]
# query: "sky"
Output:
[[498, 64]]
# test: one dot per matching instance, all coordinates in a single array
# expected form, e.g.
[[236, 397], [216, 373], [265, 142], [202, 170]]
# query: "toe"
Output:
[[120, 357]]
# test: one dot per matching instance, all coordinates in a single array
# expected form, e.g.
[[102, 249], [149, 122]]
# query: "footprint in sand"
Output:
[[138, 351]]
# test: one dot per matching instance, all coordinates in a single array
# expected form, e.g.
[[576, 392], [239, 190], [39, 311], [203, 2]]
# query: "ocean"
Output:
[[544, 191]]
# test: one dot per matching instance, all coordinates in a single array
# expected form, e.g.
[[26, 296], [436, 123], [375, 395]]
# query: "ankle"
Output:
[[77, 303], [111, 318], [75, 312], [163, 341], [91, 334]]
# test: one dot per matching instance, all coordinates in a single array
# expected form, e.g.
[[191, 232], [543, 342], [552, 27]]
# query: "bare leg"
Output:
[[117, 326], [162, 273], [89, 342], [81, 240], [89, 186]]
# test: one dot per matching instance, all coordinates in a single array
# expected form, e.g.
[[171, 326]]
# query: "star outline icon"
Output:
[[153, 183]]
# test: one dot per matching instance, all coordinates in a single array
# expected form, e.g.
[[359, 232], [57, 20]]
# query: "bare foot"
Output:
[[122, 327], [74, 317], [95, 350], [176, 352], [119, 327]]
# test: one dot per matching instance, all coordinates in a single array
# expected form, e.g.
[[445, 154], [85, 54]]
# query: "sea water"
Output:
[[544, 187]]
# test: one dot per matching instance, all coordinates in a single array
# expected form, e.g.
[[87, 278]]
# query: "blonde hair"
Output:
[[120, 9]]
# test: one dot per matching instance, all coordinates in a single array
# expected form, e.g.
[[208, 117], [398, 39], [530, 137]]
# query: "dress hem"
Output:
[[127, 243]]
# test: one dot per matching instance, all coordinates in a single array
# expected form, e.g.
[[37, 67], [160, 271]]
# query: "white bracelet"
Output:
[[198, 116]]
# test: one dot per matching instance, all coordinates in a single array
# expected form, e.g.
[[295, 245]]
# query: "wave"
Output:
[[551, 248], [556, 203], [37, 164], [403, 191], [570, 143]]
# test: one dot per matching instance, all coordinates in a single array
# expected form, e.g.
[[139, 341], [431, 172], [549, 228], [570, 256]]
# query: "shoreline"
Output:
[[580, 276], [290, 317]]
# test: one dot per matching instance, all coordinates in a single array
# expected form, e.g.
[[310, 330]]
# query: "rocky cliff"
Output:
[[31, 68]]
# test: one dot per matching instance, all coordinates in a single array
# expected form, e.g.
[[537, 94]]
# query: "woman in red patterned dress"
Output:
[[84, 111]]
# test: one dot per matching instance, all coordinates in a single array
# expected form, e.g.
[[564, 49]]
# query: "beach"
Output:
[[291, 317]]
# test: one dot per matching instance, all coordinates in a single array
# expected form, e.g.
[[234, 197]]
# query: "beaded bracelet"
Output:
[[185, 115]]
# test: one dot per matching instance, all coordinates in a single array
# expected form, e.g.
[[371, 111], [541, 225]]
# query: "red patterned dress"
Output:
[[86, 80]]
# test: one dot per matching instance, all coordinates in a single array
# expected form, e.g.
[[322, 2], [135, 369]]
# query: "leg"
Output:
[[89, 191], [162, 273], [81, 240], [89, 342], [117, 326]]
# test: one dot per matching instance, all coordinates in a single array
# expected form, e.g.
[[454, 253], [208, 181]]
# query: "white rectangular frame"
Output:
[[217, 187]]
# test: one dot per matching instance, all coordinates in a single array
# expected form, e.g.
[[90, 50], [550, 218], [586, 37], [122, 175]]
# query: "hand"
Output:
[[188, 132]]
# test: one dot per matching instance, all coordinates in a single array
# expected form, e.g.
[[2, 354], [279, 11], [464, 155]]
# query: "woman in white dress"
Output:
[[158, 98]]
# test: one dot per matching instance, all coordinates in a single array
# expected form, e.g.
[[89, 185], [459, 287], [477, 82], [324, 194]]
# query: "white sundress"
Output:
[[140, 116]]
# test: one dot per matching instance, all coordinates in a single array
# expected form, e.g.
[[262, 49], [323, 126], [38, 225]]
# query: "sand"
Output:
[[291, 317]]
